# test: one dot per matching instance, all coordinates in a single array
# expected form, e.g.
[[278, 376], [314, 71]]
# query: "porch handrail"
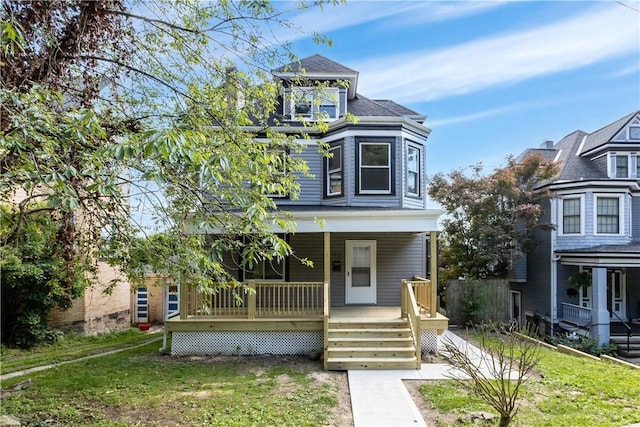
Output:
[[576, 313], [423, 291], [326, 312], [253, 300], [411, 312], [624, 322]]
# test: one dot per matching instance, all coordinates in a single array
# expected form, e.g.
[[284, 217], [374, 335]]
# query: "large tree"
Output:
[[112, 107], [490, 218]]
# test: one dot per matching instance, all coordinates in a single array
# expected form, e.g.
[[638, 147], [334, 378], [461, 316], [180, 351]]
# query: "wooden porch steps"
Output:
[[369, 344]]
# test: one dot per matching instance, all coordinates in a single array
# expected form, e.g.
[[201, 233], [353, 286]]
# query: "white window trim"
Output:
[[389, 167], [329, 172], [418, 148], [621, 210], [317, 94], [561, 215], [629, 132]]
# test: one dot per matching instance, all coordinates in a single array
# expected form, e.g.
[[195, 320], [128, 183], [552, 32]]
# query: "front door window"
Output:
[[360, 272]]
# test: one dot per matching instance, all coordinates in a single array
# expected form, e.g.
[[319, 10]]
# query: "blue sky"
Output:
[[493, 78]]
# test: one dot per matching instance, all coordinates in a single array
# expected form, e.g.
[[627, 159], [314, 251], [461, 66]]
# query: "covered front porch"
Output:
[[297, 318], [609, 305]]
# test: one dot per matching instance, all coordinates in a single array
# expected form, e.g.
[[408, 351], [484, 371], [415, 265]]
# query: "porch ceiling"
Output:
[[603, 255]]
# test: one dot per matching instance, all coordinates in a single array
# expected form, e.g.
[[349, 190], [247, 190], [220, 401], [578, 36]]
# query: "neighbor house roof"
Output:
[[602, 136]]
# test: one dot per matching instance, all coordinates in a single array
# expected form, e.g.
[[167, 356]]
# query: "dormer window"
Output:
[[307, 103]]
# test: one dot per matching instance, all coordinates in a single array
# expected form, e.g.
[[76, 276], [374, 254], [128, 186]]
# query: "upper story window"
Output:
[[608, 214], [309, 103], [634, 133], [374, 171], [333, 172], [414, 160], [571, 215], [622, 166], [274, 186]]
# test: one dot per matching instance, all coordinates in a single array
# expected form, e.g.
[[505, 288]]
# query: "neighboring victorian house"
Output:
[[367, 302], [596, 236]]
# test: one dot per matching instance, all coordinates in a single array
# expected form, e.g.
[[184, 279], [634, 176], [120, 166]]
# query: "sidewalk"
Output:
[[42, 368], [380, 399]]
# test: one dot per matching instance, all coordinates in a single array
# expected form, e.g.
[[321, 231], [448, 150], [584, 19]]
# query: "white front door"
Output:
[[360, 271], [616, 295], [616, 281]]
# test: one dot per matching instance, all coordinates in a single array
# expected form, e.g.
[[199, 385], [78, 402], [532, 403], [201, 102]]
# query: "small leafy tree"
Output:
[[490, 218], [498, 370], [474, 301], [34, 278]]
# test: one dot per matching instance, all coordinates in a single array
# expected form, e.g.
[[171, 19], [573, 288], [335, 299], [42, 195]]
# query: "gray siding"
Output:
[[310, 246], [590, 238], [635, 218], [536, 291], [399, 256], [312, 188]]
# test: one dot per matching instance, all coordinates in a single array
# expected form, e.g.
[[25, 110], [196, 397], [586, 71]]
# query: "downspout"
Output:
[[553, 270]]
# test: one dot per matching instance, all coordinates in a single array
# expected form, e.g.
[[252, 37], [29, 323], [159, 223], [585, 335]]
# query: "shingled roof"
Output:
[[602, 136], [314, 64]]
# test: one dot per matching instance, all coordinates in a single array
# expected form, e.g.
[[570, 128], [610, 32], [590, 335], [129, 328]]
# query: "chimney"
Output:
[[547, 143]]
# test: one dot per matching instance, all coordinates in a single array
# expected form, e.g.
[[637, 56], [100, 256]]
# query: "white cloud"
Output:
[[361, 12], [506, 59]]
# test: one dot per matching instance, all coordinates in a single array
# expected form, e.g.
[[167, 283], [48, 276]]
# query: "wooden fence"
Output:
[[492, 296]]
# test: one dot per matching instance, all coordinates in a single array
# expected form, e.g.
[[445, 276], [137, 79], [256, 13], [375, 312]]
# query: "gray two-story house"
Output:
[[595, 215], [370, 249]]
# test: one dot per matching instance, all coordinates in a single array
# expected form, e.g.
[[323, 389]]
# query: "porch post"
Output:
[[327, 257], [433, 273], [599, 313], [184, 296]]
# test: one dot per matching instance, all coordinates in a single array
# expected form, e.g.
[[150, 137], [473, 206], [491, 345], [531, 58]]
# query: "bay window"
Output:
[[374, 171]]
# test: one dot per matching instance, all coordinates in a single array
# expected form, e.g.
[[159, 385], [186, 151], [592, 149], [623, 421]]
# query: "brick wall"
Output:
[[96, 312]]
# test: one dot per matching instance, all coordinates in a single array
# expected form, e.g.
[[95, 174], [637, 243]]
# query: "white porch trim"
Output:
[[389, 221]]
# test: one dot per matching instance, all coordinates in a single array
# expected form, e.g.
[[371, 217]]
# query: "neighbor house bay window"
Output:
[[333, 171], [622, 166], [608, 215], [571, 212], [374, 175]]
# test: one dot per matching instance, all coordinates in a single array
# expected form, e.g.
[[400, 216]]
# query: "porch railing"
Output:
[[410, 311], [576, 314], [425, 295], [260, 300]]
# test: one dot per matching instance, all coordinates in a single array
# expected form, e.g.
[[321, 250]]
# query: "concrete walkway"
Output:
[[380, 399]]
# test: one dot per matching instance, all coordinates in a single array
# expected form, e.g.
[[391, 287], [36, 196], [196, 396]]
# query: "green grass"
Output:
[[70, 347], [142, 387], [569, 391]]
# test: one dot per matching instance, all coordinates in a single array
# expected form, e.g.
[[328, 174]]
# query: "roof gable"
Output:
[[616, 132], [319, 67]]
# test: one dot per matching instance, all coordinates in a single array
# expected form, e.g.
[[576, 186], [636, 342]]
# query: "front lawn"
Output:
[[70, 347], [566, 391], [142, 387]]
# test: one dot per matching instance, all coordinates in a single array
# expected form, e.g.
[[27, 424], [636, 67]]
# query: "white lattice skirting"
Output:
[[429, 340], [245, 343]]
